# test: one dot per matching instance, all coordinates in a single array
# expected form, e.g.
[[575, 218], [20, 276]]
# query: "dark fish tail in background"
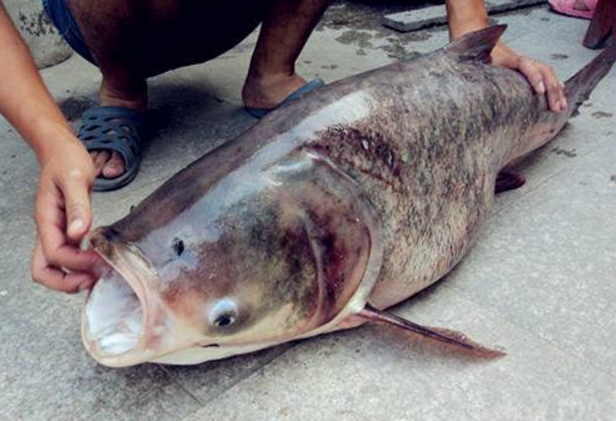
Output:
[[580, 85], [577, 90]]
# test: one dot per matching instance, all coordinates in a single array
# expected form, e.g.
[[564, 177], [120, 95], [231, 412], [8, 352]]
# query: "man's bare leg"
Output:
[[112, 30], [284, 32], [134, 40]]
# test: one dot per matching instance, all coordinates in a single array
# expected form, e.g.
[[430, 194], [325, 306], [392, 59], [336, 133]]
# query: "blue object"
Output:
[[114, 129], [262, 112], [64, 22]]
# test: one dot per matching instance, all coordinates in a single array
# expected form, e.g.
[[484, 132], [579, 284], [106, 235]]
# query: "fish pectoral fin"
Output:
[[446, 336], [507, 180]]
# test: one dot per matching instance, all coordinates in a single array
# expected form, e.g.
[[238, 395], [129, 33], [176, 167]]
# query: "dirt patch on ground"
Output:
[[73, 107], [361, 21], [569, 153], [557, 56], [367, 14], [602, 114]]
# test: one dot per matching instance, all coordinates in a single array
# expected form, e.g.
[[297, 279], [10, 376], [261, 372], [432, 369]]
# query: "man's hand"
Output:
[[466, 16], [62, 208], [541, 77], [63, 217]]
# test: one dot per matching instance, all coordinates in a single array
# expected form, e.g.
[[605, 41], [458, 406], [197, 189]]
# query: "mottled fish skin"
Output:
[[399, 163], [428, 155], [424, 139]]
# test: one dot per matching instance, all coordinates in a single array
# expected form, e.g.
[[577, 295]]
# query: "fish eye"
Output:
[[224, 320], [178, 247], [223, 313]]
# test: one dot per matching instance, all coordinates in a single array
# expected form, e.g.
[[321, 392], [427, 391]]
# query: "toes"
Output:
[[99, 158], [114, 167], [581, 6]]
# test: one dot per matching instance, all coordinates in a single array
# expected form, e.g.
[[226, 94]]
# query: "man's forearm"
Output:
[[24, 99], [465, 16]]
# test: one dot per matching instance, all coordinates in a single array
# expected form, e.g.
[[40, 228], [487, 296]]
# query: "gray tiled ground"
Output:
[[373, 374], [540, 281]]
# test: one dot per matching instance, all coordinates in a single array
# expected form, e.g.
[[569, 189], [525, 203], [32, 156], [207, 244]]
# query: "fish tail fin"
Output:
[[577, 90], [580, 85]]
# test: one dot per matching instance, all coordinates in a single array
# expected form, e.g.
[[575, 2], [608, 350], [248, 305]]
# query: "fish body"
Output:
[[328, 211]]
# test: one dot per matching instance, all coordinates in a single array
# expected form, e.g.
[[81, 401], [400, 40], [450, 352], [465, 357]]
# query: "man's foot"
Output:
[[110, 163], [577, 8], [294, 94], [268, 92], [114, 130]]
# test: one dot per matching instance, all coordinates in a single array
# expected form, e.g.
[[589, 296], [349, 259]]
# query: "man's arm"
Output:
[[470, 15], [24, 100], [62, 207]]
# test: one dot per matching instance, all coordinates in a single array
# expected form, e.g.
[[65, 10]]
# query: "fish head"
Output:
[[258, 260]]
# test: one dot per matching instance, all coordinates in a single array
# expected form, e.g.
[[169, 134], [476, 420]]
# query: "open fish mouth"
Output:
[[114, 316], [117, 319]]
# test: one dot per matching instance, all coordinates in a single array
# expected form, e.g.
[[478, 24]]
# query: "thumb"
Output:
[[76, 191]]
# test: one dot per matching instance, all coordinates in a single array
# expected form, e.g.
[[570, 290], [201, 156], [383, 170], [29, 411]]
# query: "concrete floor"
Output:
[[539, 282]]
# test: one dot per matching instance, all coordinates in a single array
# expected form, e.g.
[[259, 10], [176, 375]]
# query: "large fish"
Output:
[[328, 211]]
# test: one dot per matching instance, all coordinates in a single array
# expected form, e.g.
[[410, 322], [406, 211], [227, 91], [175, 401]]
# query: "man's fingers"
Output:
[[533, 74], [49, 218], [60, 254], [561, 87], [55, 278], [554, 91], [70, 282], [541, 77], [71, 257], [53, 242], [56, 248], [76, 190], [544, 81]]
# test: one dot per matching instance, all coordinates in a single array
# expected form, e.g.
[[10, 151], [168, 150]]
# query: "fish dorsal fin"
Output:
[[446, 336], [476, 45]]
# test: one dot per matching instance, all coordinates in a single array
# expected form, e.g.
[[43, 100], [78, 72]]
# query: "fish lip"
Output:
[[121, 257]]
